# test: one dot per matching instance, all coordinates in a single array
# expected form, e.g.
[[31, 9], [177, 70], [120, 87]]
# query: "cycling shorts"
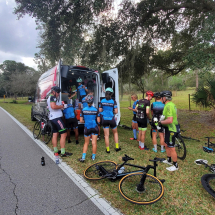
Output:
[[170, 136], [91, 131], [107, 123], [58, 125], [72, 123], [142, 123], [134, 118], [81, 97], [154, 129]]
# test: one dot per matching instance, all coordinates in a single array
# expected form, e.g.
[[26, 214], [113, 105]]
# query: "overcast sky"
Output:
[[18, 38]]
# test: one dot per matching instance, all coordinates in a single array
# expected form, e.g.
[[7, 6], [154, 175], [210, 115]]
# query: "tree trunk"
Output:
[[197, 80]]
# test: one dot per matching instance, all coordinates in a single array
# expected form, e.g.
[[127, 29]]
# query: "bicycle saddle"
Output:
[[206, 149], [200, 161], [127, 158], [158, 159]]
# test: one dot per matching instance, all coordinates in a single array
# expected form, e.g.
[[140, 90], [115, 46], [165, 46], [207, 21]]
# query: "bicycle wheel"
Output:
[[94, 173], [37, 130], [208, 182], [180, 147], [153, 189], [46, 133]]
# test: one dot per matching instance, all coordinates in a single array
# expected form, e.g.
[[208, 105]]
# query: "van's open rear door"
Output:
[[112, 81]]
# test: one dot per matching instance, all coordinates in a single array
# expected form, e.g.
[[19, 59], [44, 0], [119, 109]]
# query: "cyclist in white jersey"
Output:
[[55, 117]]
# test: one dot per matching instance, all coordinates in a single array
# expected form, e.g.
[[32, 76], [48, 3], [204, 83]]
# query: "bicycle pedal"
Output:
[[162, 180]]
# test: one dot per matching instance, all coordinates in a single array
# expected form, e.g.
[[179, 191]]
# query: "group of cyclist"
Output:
[[163, 112], [163, 120]]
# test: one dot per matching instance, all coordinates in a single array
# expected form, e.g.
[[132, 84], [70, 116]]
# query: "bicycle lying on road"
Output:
[[208, 180], [180, 146], [42, 128], [137, 186]]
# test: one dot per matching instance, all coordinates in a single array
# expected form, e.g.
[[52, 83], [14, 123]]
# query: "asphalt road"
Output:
[[28, 188]]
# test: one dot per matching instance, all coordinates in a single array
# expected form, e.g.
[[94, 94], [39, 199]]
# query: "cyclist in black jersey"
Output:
[[156, 112], [134, 97], [142, 109]]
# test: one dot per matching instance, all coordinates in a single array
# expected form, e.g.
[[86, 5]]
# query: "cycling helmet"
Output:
[[79, 80], [166, 93], [157, 94], [56, 89], [149, 93], [109, 89], [89, 99]]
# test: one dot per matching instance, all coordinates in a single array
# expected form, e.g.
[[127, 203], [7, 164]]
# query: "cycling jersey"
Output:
[[81, 90], [90, 114], [142, 105], [108, 107], [170, 110], [69, 112], [157, 108], [53, 113], [134, 106]]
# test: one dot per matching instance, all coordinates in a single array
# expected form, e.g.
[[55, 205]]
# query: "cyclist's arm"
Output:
[[115, 110], [169, 120], [81, 119], [55, 107], [98, 119], [147, 112], [73, 95]]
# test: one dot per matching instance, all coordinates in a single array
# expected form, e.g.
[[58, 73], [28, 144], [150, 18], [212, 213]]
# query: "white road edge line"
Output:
[[91, 193]]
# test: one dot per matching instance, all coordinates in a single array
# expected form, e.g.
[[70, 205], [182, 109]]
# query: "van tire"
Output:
[[32, 115]]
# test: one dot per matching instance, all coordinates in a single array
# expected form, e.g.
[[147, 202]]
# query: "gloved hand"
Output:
[[162, 117]]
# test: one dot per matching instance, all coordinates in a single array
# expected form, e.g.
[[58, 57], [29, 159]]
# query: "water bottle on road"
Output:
[[57, 161]]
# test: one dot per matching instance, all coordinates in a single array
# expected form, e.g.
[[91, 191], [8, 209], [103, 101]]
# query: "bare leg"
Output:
[[63, 140], [94, 143], [54, 139], [154, 139], [106, 133], [86, 143], [76, 133], [115, 135]]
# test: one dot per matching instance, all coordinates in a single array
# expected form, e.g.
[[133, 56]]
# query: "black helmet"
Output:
[[157, 94], [56, 89], [89, 99], [166, 93]]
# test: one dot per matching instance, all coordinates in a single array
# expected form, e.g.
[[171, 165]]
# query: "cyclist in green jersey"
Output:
[[170, 122]]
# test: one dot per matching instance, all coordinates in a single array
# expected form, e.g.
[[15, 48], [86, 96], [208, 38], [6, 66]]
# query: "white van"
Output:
[[65, 76]]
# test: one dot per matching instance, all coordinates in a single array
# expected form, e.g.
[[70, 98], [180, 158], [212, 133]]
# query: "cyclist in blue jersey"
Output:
[[90, 116], [82, 91], [71, 121], [156, 112], [134, 97], [107, 108], [84, 101]]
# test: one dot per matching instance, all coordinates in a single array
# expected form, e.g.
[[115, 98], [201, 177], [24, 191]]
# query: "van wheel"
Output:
[[32, 116]]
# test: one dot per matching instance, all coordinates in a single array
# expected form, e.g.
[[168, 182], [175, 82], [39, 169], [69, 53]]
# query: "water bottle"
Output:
[[57, 161], [43, 161], [121, 170]]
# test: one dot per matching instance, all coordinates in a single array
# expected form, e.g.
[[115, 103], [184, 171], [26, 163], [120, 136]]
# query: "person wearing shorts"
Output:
[[142, 109], [89, 116], [107, 109], [134, 97], [156, 112], [71, 121], [170, 121], [55, 117]]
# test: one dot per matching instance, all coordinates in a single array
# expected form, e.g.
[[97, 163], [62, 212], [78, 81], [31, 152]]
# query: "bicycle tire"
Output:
[[180, 147], [153, 192], [37, 130], [208, 182], [46, 133], [92, 173]]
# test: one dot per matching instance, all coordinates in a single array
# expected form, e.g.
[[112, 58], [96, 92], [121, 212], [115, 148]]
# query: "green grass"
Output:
[[183, 194]]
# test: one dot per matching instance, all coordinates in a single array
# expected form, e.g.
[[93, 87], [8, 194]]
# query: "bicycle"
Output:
[[42, 128], [137, 186], [208, 180], [180, 146], [208, 146]]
